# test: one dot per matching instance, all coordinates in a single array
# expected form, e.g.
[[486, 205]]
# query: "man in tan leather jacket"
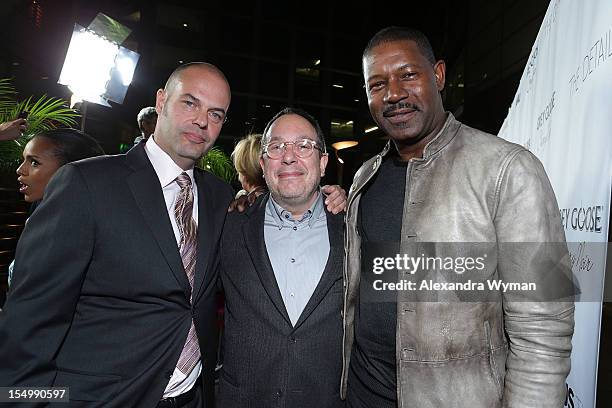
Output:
[[440, 181]]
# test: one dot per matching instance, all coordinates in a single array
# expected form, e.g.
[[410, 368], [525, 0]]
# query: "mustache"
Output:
[[397, 106]]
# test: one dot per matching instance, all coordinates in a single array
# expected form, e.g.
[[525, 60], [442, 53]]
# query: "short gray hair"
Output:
[[149, 113]]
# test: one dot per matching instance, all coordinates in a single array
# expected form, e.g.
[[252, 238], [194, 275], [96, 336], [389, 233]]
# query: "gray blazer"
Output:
[[266, 361]]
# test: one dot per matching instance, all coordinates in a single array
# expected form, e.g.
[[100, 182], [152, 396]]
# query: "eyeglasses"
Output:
[[301, 148]]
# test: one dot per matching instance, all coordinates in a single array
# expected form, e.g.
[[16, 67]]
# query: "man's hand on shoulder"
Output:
[[240, 204], [335, 198]]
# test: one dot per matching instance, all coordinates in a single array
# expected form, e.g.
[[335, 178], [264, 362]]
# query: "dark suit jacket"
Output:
[[100, 299], [266, 361]]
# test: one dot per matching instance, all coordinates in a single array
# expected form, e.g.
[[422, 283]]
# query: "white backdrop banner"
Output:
[[562, 112]]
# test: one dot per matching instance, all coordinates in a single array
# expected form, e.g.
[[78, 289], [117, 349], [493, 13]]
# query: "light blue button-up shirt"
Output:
[[298, 251]]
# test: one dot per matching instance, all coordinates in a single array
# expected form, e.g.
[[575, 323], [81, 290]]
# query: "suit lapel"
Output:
[[333, 267], [145, 187], [205, 232], [253, 231]]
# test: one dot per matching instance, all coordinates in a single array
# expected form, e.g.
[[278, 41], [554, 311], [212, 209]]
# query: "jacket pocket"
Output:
[[493, 368], [87, 386], [230, 395]]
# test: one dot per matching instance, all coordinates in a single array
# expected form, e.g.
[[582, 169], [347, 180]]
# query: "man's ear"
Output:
[[160, 101], [440, 73], [323, 163]]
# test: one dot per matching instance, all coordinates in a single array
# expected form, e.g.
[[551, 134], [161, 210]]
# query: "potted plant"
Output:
[[218, 163]]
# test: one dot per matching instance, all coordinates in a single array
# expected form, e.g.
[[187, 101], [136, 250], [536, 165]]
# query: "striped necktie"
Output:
[[183, 212]]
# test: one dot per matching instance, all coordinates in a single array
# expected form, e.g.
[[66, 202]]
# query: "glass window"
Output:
[[235, 34], [180, 18], [347, 54], [236, 69], [346, 90], [273, 79], [275, 42], [265, 109]]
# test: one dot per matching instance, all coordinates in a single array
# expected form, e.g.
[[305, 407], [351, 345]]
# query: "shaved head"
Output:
[[178, 72], [191, 110]]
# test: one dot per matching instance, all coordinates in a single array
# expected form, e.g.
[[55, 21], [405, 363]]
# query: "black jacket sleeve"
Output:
[[52, 258]]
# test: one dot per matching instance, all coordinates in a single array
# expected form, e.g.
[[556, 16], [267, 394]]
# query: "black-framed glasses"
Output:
[[301, 148]]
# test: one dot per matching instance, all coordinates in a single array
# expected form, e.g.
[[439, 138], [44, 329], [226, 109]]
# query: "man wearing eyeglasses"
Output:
[[281, 269]]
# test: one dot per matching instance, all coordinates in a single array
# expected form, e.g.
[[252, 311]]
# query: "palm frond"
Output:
[[45, 113], [6, 88], [7, 94], [10, 154], [218, 163]]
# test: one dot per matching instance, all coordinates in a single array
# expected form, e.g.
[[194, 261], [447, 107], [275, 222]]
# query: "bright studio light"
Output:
[[97, 69], [88, 64], [125, 66]]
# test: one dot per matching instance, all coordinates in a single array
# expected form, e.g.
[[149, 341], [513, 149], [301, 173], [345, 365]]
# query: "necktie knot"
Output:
[[183, 180]]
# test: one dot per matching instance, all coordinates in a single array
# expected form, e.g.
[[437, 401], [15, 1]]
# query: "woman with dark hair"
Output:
[[44, 154]]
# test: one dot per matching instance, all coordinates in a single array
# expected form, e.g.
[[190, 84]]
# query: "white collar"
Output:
[[167, 170]]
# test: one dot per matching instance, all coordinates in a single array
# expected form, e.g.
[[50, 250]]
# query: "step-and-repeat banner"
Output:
[[562, 112]]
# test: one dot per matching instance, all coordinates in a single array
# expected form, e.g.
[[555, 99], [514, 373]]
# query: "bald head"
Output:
[[180, 70], [192, 108]]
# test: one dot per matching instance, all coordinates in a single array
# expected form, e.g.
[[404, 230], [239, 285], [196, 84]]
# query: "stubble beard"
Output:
[[291, 201]]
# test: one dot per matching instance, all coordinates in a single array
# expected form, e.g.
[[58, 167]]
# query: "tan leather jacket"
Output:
[[472, 187]]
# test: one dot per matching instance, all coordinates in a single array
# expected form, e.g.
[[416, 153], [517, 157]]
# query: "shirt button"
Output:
[[295, 228], [292, 294], [292, 260]]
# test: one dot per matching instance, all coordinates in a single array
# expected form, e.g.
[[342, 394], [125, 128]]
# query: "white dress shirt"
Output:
[[167, 171]]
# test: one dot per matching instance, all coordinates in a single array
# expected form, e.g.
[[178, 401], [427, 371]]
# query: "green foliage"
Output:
[[7, 93], [45, 113], [218, 163]]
